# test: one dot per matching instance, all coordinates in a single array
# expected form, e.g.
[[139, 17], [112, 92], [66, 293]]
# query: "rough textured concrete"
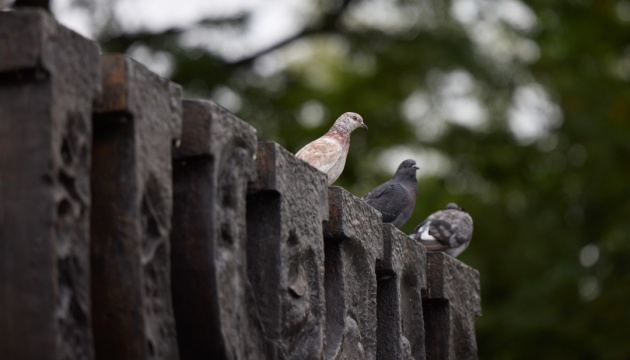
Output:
[[401, 278], [451, 303], [285, 252], [214, 305], [136, 119], [49, 77], [353, 244]]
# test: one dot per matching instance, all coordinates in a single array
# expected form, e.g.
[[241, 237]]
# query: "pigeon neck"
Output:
[[340, 132], [406, 176]]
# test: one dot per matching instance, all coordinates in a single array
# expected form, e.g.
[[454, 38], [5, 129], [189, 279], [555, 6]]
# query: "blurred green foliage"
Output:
[[551, 209]]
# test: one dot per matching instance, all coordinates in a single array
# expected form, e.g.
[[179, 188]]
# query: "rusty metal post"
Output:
[[213, 300], [49, 77], [451, 303], [135, 122], [353, 244], [401, 279], [285, 209]]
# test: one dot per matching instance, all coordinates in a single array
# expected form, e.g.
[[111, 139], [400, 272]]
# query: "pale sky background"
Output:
[[453, 96]]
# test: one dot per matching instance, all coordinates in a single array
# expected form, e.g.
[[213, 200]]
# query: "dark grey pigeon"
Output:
[[396, 198], [448, 230]]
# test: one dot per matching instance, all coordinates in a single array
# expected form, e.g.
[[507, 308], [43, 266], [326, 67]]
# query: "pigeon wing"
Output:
[[383, 198], [452, 227], [462, 227], [423, 235], [322, 153]]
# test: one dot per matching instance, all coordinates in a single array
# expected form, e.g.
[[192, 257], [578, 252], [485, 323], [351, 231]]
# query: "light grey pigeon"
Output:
[[328, 153], [396, 198], [448, 230]]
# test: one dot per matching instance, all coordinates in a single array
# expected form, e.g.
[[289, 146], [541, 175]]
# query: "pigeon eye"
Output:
[[354, 118], [404, 166]]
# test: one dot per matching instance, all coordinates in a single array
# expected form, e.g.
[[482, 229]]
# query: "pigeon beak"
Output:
[[416, 167], [364, 126]]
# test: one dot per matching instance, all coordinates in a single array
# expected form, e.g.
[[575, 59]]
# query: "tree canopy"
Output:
[[517, 111]]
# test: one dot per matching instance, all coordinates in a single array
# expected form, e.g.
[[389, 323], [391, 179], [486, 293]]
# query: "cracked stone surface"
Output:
[[353, 244], [136, 119], [285, 252], [451, 302], [401, 279], [49, 77], [213, 300]]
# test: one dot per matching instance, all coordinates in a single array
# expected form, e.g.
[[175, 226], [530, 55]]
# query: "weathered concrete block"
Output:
[[135, 121], [353, 244], [214, 305], [285, 252], [401, 279], [451, 303], [49, 77]]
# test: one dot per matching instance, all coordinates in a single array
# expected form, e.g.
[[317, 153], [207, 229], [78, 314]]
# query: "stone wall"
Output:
[[135, 225]]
